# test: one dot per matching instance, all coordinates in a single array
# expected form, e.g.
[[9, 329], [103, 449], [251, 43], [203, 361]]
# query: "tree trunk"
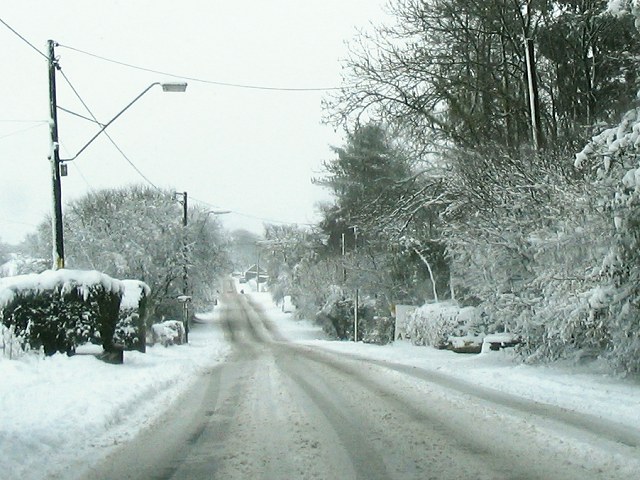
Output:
[[433, 280]]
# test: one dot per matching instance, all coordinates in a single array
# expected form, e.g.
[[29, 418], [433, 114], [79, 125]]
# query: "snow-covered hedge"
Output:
[[59, 310], [131, 328], [436, 323]]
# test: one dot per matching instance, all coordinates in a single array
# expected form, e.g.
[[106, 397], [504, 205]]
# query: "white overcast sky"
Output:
[[250, 151]]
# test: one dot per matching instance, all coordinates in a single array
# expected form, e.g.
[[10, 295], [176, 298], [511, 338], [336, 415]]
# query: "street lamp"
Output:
[[54, 155]]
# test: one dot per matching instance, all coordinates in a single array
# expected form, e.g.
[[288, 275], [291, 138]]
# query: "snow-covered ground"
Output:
[[57, 414], [580, 389]]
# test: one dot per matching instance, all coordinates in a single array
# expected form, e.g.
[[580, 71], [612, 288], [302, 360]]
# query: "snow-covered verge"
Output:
[[58, 413], [584, 389]]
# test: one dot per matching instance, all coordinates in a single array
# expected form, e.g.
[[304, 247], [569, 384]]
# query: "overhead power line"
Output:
[[5, 120], [268, 220], [17, 222], [203, 80], [22, 38], [16, 132]]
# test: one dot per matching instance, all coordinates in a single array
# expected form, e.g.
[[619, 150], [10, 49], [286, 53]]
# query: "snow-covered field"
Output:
[[57, 414]]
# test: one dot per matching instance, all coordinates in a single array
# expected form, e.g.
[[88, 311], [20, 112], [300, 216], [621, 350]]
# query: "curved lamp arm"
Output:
[[166, 87]]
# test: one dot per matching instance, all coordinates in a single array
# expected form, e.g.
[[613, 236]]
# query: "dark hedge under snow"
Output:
[[59, 310], [131, 330]]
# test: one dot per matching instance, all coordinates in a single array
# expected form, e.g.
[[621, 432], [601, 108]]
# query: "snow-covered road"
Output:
[[257, 393], [277, 409]]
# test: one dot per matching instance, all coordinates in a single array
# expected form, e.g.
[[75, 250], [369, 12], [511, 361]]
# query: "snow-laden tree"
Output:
[[379, 202], [283, 249], [132, 232], [5, 252], [610, 162], [455, 71], [137, 233], [528, 263], [612, 157]]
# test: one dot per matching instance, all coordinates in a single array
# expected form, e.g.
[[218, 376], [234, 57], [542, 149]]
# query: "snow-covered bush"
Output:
[[169, 332], [131, 328], [12, 346], [59, 310], [337, 315], [435, 323], [18, 264], [613, 157], [315, 282], [378, 330]]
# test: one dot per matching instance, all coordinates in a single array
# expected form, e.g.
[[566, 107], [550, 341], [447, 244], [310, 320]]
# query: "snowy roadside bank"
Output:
[[579, 389], [58, 412]]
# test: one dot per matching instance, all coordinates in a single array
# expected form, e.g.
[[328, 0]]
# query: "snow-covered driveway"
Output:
[[283, 410]]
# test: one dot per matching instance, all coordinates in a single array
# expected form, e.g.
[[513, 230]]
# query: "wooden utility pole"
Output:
[[54, 158], [185, 266]]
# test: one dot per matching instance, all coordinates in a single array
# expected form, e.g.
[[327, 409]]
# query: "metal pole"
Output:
[[344, 267], [185, 218], [355, 318], [185, 266], [258, 270], [54, 158], [355, 305]]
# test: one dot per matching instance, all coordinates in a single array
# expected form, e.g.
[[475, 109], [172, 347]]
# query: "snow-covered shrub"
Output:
[[169, 332], [378, 330], [315, 284], [12, 345], [337, 316], [59, 310], [434, 323], [613, 157], [131, 327], [19, 264]]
